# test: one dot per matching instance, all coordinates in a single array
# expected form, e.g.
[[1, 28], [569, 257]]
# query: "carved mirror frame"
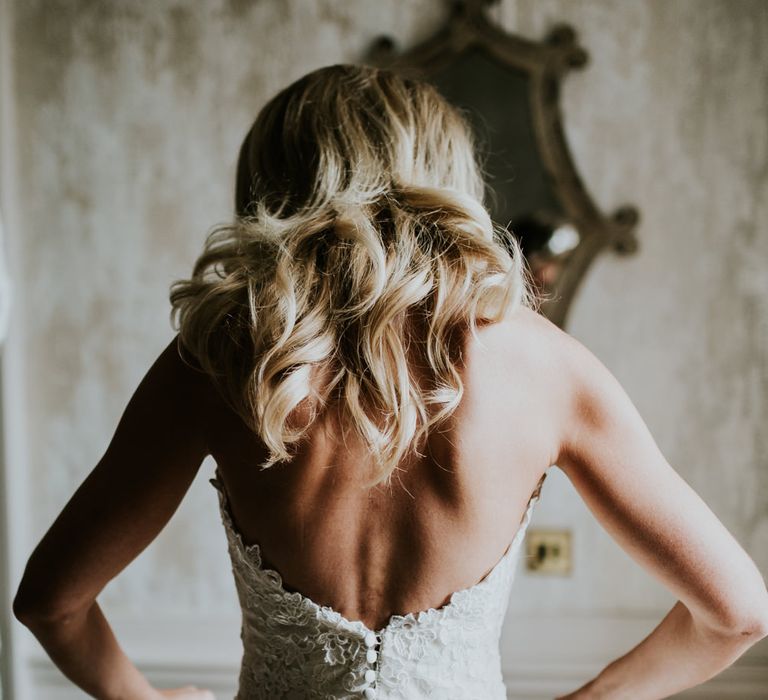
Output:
[[545, 63]]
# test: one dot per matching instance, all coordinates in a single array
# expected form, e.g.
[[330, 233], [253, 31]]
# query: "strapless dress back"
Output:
[[294, 648]]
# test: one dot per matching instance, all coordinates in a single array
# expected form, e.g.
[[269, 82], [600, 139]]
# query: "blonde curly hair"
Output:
[[360, 233]]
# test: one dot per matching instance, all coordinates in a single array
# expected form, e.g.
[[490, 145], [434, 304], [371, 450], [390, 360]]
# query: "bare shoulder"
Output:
[[567, 356], [536, 350], [517, 372], [584, 388], [525, 332]]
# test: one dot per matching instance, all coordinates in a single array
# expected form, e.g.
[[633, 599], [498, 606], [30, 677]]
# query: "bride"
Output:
[[361, 352]]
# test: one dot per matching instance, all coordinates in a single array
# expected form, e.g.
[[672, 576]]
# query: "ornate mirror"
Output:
[[509, 88]]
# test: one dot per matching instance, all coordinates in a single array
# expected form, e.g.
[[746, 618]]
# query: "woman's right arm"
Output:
[[616, 466]]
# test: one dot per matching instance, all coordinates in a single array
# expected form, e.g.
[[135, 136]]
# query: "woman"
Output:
[[360, 352]]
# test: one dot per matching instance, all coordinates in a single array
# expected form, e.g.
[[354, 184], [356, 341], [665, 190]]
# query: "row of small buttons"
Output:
[[371, 656]]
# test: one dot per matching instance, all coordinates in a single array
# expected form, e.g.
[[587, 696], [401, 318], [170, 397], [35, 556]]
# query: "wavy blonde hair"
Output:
[[359, 234]]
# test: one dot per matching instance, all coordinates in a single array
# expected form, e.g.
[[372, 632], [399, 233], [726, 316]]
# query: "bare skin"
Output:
[[534, 397]]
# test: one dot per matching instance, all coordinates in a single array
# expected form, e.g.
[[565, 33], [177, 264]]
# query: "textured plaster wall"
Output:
[[129, 119]]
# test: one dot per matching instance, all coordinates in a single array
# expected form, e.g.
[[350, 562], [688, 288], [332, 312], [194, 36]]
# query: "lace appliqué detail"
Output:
[[296, 648]]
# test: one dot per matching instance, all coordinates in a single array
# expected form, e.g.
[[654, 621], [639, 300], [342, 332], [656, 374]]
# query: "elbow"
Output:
[[35, 609], [748, 625], [23, 608], [29, 610], [755, 627], [754, 624]]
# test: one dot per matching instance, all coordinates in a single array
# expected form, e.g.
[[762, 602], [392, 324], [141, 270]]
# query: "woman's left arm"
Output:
[[126, 500]]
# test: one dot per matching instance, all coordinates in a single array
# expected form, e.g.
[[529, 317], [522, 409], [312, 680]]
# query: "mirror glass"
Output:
[[521, 196]]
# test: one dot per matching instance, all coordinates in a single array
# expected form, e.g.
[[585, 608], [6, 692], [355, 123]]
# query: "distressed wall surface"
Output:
[[129, 120]]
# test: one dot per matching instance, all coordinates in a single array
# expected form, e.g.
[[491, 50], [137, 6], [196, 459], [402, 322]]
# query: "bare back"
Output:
[[449, 514]]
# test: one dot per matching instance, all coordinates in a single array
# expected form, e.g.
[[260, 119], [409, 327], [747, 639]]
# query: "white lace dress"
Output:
[[295, 648]]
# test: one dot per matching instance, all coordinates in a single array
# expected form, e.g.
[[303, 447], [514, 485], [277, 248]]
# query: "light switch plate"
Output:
[[548, 552]]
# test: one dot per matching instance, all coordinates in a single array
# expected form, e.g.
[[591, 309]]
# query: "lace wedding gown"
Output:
[[295, 648]]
